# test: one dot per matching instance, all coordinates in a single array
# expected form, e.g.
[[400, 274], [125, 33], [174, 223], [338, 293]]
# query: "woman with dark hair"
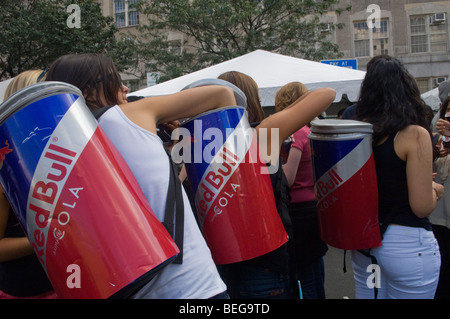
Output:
[[132, 128], [95, 75], [409, 258], [21, 274]]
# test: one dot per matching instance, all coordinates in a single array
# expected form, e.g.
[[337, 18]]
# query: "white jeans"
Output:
[[409, 263]]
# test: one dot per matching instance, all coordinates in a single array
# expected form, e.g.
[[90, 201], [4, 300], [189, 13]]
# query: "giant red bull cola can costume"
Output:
[[345, 183], [231, 186], [75, 197]]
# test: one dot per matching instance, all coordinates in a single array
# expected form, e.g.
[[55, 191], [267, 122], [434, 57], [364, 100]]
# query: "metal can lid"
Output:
[[337, 126], [32, 93], [220, 109], [241, 98]]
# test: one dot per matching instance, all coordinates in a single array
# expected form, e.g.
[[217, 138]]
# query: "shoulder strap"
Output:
[[174, 223], [99, 112], [282, 197], [174, 214]]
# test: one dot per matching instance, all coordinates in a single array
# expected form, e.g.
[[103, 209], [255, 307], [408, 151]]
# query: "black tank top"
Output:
[[23, 277], [393, 196]]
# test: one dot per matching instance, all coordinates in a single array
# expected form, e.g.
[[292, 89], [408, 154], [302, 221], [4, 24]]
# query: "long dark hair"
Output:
[[94, 74], [390, 98], [248, 85]]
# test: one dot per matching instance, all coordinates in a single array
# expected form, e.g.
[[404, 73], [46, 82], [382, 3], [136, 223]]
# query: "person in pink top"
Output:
[[301, 179], [309, 247]]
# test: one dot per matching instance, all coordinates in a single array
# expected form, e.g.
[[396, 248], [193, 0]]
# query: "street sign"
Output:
[[345, 63]]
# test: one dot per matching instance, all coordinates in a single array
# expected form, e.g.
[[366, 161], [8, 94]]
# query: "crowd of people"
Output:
[[413, 257]]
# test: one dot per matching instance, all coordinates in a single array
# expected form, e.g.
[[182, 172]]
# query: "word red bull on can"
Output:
[[75, 197], [232, 189], [345, 183]]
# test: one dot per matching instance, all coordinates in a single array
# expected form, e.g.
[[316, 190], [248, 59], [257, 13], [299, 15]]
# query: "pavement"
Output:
[[338, 285]]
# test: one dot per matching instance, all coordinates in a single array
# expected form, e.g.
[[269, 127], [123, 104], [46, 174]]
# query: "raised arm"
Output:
[[152, 111], [292, 118]]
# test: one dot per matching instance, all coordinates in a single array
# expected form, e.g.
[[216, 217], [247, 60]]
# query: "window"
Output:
[[429, 33], [427, 84], [125, 13], [371, 42], [175, 47], [423, 84]]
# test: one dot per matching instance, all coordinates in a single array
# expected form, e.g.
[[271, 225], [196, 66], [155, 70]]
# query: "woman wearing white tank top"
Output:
[[132, 127]]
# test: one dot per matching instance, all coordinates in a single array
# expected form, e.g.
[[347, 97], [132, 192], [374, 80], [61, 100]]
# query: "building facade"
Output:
[[414, 31], [127, 18]]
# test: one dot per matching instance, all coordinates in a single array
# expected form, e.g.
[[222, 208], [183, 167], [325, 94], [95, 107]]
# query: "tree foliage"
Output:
[[218, 30], [36, 32]]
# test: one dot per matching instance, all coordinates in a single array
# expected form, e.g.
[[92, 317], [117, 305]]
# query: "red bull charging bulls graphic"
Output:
[[346, 185], [232, 189], [75, 197], [3, 151]]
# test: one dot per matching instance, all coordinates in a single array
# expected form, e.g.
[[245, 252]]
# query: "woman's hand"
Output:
[[439, 189], [443, 127]]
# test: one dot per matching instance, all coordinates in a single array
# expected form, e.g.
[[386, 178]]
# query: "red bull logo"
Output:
[[346, 186], [212, 184], [331, 182], [44, 194], [232, 188], [54, 182], [3, 151]]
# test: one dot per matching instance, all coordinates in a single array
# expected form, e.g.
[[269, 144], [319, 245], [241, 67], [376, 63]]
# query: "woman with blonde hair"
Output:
[[22, 80], [288, 94], [21, 275]]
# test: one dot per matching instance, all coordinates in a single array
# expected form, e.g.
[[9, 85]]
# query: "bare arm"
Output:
[[151, 111], [300, 113], [291, 166], [413, 144]]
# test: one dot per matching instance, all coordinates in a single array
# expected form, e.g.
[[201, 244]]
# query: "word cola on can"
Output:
[[345, 183], [75, 197], [233, 193]]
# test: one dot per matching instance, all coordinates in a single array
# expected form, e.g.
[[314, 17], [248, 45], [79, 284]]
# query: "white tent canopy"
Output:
[[271, 71]]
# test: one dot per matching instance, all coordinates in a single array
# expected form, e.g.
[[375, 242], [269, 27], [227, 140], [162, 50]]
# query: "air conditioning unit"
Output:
[[325, 27], [439, 80], [438, 18]]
